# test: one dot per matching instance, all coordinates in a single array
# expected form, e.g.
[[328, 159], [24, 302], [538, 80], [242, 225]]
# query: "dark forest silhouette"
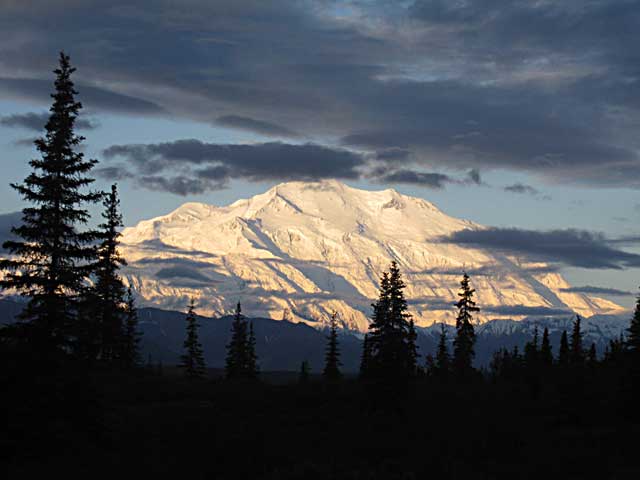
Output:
[[75, 392]]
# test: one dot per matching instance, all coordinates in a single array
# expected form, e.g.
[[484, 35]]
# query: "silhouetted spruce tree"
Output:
[[237, 348], [131, 338], [379, 329], [109, 289], [390, 357], [192, 361], [614, 353], [592, 357], [53, 257], [412, 347], [576, 353], [498, 363], [531, 352], [463, 345], [563, 351], [305, 372], [365, 359], [252, 357], [633, 340], [546, 354], [332, 354], [506, 365], [401, 322], [517, 360], [631, 349], [442, 360]]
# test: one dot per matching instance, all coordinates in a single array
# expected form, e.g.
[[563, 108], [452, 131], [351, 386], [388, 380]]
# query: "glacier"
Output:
[[302, 250]]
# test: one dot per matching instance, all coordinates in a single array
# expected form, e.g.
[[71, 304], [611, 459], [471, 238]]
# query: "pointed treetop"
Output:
[[633, 341]]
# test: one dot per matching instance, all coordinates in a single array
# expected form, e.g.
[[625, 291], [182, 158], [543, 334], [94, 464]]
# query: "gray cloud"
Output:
[[521, 188], [575, 248], [257, 126], [424, 179], [530, 29], [432, 180], [112, 173], [178, 185], [186, 167], [474, 176], [93, 98], [588, 289], [626, 240], [393, 154], [544, 87], [37, 121]]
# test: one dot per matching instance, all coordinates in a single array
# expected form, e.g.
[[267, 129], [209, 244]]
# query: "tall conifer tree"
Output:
[[365, 359], [389, 343], [52, 258], [193, 358], [531, 352], [252, 357], [443, 360], [592, 357], [576, 353], [379, 328], [412, 349], [401, 322], [546, 354], [633, 340], [241, 357], [109, 289], [332, 355], [463, 345], [305, 372], [131, 339], [563, 352]]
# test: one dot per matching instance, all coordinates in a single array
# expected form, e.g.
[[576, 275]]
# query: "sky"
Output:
[[519, 115]]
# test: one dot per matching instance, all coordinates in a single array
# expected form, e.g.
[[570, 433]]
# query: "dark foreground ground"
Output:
[[150, 425]]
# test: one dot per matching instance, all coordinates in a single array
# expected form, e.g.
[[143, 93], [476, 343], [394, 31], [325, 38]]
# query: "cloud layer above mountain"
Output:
[[190, 166], [549, 88]]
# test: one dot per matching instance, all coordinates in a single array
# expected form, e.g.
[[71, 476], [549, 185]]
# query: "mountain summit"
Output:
[[304, 249]]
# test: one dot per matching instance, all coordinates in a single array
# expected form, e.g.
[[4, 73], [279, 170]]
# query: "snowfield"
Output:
[[304, 249]]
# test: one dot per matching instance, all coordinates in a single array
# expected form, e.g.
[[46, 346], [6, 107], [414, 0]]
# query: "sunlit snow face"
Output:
[[313, 248]]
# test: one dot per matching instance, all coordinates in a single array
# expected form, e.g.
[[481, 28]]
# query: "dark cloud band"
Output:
[[257, 126], [427, 179], [36, 121], [575, 248], [190, 166], [588, 289], [93, 98]]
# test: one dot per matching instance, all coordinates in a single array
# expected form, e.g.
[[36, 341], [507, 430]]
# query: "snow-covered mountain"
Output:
[[304, 249]]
